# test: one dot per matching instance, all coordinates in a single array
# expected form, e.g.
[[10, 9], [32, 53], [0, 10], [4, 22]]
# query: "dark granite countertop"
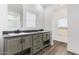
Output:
[[22, 34]]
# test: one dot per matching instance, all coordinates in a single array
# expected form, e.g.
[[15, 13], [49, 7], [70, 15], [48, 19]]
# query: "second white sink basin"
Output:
[[13, 34]]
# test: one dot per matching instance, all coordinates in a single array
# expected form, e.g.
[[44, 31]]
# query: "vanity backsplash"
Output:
[[20, 31]]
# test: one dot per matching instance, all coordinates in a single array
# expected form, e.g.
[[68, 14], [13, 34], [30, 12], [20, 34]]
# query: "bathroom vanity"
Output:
[[24, 43]]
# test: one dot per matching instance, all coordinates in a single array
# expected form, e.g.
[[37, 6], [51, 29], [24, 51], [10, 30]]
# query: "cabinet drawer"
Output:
[[37, 48], [37, 41], [37, 36]]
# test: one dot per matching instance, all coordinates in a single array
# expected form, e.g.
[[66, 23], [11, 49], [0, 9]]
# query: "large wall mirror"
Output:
[[15, 16], [20, 17]]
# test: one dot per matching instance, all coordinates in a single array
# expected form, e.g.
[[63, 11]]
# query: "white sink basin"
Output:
[[13, 34], [22, 33]]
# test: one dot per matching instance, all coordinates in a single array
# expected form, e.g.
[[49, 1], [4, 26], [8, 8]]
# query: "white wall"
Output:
[[52, 14], [73, 38], [59, 34], [48, 21], [3, 22], [48, 15]]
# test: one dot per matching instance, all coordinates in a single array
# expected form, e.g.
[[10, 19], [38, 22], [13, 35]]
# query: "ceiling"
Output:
[[19, 7], [46, 5], [52, 5], [15, 7]]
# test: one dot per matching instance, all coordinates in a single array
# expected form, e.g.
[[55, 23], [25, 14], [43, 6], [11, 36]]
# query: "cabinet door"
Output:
[[37, 43], [27, 42], [12, 45], [46, 36]]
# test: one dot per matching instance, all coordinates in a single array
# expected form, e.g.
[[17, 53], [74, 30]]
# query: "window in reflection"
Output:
[[13, 20], [30, 19]]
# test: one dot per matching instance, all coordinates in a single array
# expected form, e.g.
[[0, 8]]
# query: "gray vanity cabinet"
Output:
[[27, 42], [33, 42], [12, 45]]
